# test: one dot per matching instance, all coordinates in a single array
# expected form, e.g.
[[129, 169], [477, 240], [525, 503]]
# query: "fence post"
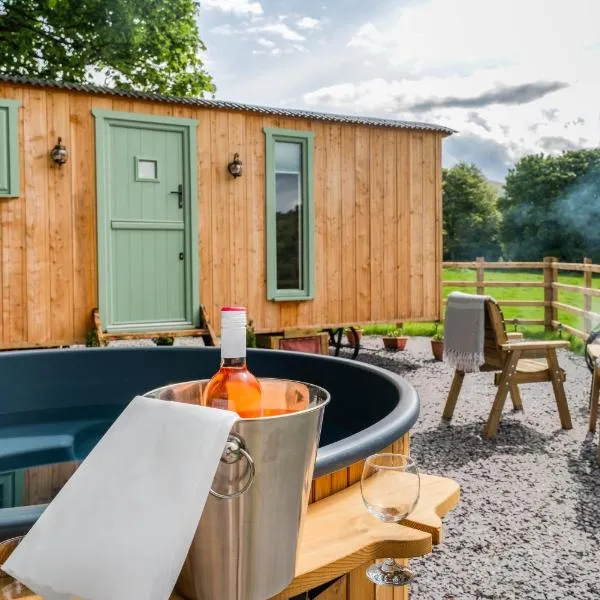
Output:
[[550, 293], [587, 300], [480, 275]]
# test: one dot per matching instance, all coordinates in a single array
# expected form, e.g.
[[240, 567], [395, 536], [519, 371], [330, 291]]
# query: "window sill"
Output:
[[294, 298]]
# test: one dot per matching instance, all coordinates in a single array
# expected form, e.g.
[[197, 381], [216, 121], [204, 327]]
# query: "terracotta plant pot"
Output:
[[437, 347], [394, 343], [350, 336]]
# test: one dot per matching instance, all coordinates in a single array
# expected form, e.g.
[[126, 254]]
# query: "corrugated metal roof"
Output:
[[225, 104]]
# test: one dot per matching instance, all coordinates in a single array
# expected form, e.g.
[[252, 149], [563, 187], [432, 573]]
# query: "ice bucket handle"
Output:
[[234, 451]]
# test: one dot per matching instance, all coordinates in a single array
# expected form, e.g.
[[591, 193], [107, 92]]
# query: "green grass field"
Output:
[[516, 293]]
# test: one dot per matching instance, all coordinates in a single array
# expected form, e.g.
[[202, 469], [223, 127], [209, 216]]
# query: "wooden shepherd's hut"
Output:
[[334, 220]]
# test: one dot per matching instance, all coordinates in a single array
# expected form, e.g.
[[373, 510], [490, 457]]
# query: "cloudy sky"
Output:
[[512, 77]]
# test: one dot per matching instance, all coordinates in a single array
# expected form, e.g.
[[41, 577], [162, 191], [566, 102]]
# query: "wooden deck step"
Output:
[[206, 332], [142, 335]]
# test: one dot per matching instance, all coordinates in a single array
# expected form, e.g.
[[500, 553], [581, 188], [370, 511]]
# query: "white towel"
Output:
[[464, 331], [122, 525]]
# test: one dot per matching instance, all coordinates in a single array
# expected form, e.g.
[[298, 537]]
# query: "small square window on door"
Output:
[[146, 169]]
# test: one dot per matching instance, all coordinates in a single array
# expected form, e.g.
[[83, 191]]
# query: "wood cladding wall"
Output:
[[377, 204]]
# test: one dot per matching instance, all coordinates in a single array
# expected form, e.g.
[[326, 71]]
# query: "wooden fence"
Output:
[[550, 268]]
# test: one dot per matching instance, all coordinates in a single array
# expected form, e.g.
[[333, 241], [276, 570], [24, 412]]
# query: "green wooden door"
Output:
[[147, 275]]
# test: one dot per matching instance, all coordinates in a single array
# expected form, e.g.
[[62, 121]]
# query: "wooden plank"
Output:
[[577, 288], [403, 229], [359, 587], [36, 216], [145, 335], [550, 293], [336, 591], [577, 267], [493, 265], [390, 224], [416, 225], [255, 237], [12, 241], [85, 262], [348, 204], [574, 310], [43, 483], [429, 226], [221, 224], [333, 216], [582, 335], [472, 284], [205, 201], [587, 299], [60, 223], [238, 219], [376, 222], [319, 304], [439, 224], [363, 235]]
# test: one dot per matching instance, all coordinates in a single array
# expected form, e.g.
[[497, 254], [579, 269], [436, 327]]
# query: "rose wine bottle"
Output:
[[233, 387]]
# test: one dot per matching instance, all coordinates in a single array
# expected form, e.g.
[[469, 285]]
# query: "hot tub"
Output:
[[56, 404]]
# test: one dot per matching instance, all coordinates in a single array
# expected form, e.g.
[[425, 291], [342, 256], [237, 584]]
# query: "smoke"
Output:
[[515, 94], [556, 144], [475, 118]]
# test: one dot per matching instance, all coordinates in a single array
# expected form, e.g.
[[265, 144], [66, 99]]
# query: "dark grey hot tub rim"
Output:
[[78, 389]]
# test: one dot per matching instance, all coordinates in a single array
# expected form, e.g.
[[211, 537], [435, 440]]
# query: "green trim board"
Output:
[[108, 222], [306, 141], [10, 179]]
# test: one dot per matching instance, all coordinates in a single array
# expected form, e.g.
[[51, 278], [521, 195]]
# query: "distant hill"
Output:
[[497, 185]]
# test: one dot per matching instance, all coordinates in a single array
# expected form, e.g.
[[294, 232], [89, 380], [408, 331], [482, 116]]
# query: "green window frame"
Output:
[[9, 148], [306, 289]]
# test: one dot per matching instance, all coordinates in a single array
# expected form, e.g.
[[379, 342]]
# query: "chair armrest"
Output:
[[515, 335], [541, 345]]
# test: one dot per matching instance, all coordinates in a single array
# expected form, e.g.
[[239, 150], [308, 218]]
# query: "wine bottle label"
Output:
[[233, 343], [233, 333]]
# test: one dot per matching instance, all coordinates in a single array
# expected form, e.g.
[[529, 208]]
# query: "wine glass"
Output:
[[390, 488]]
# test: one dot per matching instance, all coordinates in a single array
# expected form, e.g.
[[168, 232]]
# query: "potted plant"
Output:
[[437, 343], [395, 339], [352, 335], [164, 340]]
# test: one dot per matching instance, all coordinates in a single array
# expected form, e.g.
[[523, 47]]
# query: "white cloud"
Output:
[[550, 122], [225, 29], [286, 32], [238, 7], [439, 33], [308, 23], [265, 42]]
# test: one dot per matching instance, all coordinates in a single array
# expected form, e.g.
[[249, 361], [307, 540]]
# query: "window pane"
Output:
[[147, 169], [287, 156], [289, 231]]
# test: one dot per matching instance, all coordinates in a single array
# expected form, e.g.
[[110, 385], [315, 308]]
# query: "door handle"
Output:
[[179, 193]]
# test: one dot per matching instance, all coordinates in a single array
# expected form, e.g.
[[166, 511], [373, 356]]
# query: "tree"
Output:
[[149, 45], [551, 207], [471, 216]]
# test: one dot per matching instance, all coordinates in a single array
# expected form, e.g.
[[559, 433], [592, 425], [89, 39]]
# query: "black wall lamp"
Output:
[[235, 166], [59, 153]]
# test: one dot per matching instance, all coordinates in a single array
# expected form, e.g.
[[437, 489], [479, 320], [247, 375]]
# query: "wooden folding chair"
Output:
[[515, 361]]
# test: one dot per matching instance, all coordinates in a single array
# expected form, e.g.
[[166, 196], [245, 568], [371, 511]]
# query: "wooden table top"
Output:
[[338, 535]]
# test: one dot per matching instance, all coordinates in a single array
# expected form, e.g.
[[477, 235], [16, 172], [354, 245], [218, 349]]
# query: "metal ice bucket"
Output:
[[246, 542]]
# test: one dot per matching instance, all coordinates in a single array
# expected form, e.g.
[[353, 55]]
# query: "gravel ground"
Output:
[[527, 525]]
